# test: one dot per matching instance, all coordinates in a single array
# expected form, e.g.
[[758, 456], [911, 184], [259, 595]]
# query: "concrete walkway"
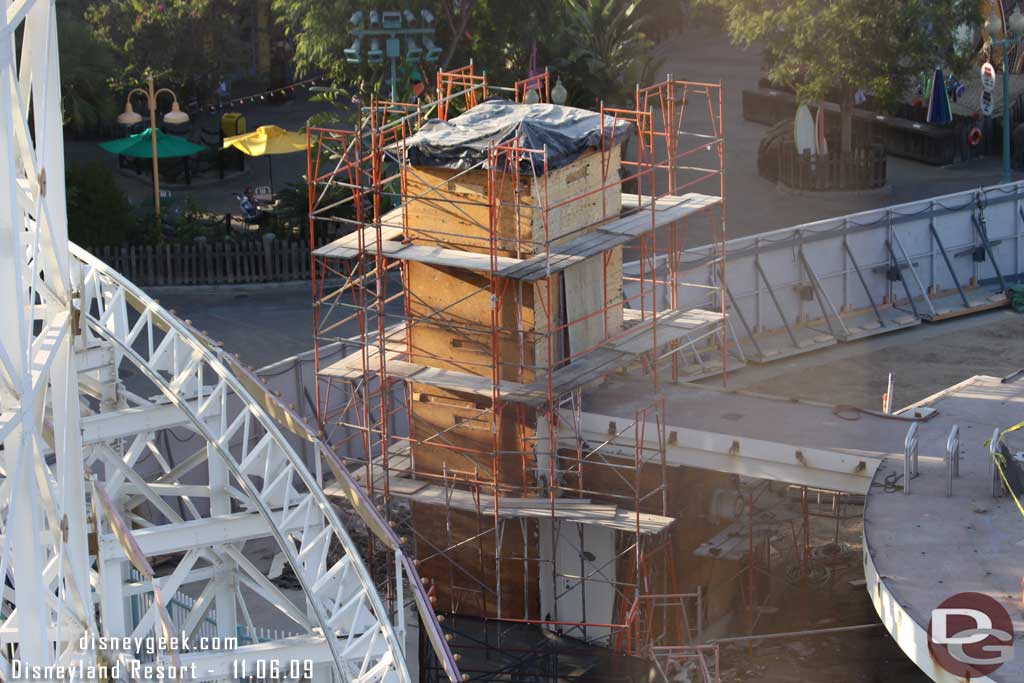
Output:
[[756, 205]]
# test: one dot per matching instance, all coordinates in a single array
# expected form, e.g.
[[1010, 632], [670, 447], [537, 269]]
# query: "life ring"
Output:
[[974, 137]]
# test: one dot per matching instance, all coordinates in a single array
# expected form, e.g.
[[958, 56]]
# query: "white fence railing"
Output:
[[840, 279]]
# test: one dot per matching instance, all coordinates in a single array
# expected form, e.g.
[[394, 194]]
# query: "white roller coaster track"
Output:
[[92, 373]]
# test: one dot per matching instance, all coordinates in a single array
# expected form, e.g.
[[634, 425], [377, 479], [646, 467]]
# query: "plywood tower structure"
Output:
[[468, 306]]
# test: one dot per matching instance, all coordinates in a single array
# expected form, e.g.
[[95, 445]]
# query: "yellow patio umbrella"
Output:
[[268, 141]]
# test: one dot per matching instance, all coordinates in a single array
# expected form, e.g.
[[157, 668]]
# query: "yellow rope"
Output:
[[999, 466], [1002, 476]]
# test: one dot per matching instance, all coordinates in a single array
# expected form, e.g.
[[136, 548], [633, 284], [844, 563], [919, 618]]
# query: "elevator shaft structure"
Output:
[[464, 309]]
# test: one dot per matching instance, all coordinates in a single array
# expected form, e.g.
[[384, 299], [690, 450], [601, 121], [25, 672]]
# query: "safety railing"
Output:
[[996, 450], [952, 459], [910, 468]]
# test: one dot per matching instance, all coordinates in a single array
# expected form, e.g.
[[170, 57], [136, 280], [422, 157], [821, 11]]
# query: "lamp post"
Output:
[[389, 27], [1014, 29], [129, 117]]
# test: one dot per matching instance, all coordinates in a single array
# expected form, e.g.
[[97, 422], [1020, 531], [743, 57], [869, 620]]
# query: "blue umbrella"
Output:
[[938, 100]]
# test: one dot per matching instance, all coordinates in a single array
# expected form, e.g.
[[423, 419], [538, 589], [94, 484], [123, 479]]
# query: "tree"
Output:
[[598, 47], [822, 47], [608, 50], [85, 65], [322, 31], [187, 44], [99, 214]]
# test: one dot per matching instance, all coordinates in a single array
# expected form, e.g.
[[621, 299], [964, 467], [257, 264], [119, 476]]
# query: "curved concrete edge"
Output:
[[908, 634]]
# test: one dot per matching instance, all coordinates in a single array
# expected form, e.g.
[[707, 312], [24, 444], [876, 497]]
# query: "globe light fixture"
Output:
[[994, 25], [558, 93], [1015, 22], [175, 116], [129, 117]]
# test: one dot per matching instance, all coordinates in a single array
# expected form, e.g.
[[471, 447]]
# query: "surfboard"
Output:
[[803, 131], [819, 132]]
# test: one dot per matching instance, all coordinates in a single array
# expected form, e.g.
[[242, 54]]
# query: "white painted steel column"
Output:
[[225, 580], [22, 551]]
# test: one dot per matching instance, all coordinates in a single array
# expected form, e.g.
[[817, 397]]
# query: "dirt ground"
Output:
[[924, 360], [828, 600]]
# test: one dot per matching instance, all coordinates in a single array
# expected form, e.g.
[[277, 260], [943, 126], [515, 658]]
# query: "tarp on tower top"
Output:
[[462, 142]]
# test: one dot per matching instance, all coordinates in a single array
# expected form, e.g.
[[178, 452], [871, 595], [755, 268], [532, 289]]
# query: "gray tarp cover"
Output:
[[464, 140]]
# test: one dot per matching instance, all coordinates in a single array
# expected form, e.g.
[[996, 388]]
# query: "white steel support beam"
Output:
[[37, 371], [120, 424], [24, 530], [225, 582], [820, 468], [211, 531], [67, 445]]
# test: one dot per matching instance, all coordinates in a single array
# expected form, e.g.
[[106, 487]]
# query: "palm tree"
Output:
[[85, 65], [610, 51]]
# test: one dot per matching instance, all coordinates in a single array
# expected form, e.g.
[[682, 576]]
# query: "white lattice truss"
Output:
[[92, 373]]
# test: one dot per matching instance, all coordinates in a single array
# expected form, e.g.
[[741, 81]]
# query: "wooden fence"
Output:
[[210, 263], [863, 169], [929, 144]]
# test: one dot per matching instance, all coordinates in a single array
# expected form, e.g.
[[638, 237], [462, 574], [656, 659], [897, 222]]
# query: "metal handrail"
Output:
[[952, 458], [993, 450], [910, 469]]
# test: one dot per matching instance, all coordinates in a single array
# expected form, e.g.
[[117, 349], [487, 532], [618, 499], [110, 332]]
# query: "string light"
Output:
[[250, 99]]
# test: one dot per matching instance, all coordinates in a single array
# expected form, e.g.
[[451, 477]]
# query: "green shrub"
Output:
[[99, 213], [291, 216]]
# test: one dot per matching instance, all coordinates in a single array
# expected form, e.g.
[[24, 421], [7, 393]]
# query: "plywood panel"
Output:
[[593, 301], [584, 304], [453, 433], [575, 199], [614, 290], [451, 310], [456, 576], [450, 208], [549, 322]]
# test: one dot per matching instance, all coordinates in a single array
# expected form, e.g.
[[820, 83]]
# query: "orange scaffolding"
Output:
[[489, 494]]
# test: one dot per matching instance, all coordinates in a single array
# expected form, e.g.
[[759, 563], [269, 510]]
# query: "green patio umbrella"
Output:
[[141, 145]]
